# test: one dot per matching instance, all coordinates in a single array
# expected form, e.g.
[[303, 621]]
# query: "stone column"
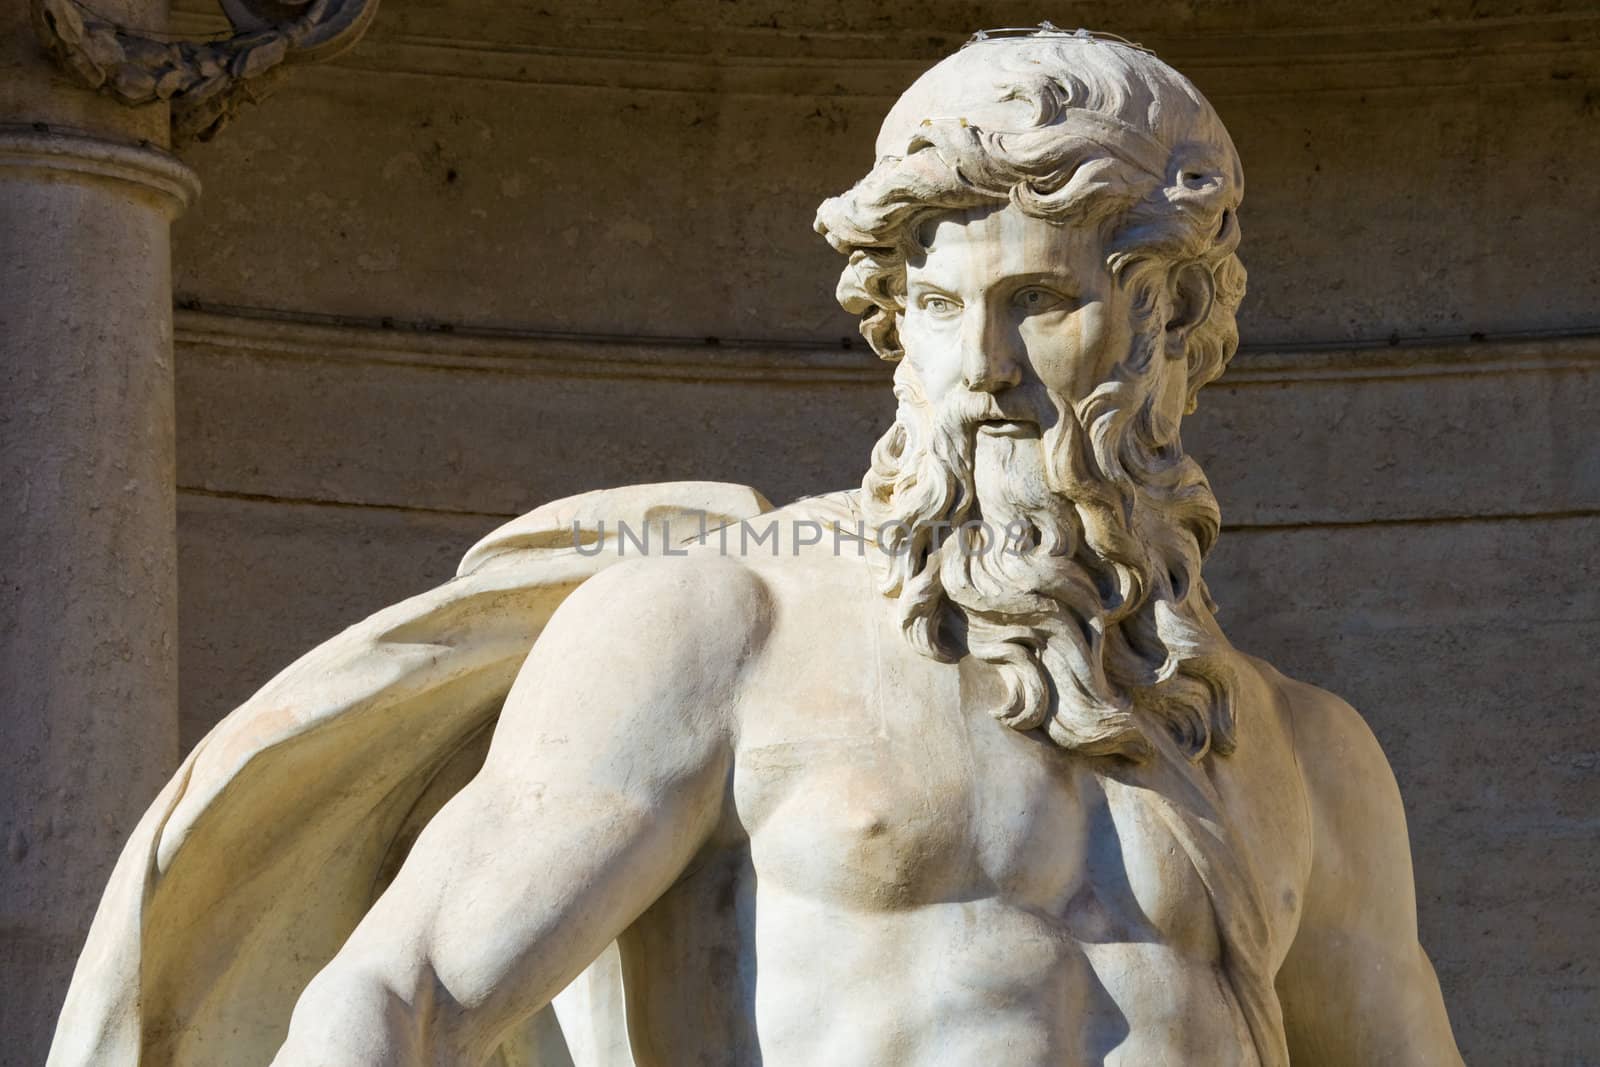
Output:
[[88, 569]]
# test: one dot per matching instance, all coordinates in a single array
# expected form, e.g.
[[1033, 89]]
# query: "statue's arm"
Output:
[[1356, 986], [606, 775]]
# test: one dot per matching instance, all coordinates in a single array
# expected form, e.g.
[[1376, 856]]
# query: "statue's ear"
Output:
[[881, 328], [1192, 291]]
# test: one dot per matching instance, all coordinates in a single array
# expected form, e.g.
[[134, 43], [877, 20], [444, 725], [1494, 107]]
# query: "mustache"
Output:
[[964, 409]]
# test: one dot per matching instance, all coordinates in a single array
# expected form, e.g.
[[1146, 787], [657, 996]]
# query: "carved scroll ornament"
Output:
[[205, 82]]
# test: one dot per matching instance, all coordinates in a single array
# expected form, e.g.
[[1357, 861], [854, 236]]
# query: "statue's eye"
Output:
[[1034, 298], [941, 306]]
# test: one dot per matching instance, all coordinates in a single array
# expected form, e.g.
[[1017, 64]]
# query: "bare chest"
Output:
[[900, 791]]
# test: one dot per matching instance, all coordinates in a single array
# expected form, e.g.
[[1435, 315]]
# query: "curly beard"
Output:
[[1069, 560]]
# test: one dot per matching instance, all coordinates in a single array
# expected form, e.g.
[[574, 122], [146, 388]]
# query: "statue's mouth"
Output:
[[1008, 428]]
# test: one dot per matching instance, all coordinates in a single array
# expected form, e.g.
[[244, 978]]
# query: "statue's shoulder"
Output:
[[1346, 776], [817, 554], [695, 584], [628, 565], [668, 608], [674, 584], [1314, 717], [608, 525]]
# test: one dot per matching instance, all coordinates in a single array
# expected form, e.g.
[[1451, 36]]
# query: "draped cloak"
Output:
[[284, 824]]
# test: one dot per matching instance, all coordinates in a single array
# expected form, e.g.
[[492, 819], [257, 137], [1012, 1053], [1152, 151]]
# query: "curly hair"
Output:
[[1086, 133], [1112, 138]]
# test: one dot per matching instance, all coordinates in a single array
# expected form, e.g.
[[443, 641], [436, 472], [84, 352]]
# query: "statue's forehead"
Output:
[[985, 244]]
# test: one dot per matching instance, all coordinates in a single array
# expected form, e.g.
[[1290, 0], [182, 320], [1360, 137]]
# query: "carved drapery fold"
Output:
[[205, 82]]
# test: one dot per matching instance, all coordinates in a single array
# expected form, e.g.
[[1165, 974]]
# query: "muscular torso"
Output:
[[816, 848], [900, 879]]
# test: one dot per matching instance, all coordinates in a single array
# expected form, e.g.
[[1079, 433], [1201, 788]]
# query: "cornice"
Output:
[[1446, 357], [273, 334], [753, 62], [280, 335]]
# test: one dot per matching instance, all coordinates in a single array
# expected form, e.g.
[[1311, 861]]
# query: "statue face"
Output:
[[1014, 306], [1036, 393]]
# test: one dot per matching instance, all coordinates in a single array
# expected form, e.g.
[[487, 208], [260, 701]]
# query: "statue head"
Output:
[[1046, 245]]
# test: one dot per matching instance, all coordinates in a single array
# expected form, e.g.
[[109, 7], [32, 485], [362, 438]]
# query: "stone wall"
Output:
[[494, 257]]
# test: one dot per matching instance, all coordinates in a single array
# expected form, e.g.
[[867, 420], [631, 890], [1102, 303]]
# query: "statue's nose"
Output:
[[988, 360], [989, 368], [989, 378]]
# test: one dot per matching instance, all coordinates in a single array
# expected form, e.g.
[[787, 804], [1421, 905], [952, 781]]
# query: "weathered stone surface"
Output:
[[88, 677], [316, 570], [1461, 645], [33, 89], [1388, 194], [376, 417], [1478, 428]]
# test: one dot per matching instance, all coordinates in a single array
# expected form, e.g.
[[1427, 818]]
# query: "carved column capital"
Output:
[[205, 82]]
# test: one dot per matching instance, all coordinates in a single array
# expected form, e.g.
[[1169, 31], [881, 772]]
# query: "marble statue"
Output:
[[955, 768]]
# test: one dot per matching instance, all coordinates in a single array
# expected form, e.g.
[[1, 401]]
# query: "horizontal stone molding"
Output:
[[59, 154], [1224, 76], [204, 493], [494, 425], [448, 347], [444, 347], [1435, 358], [747, 60]]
